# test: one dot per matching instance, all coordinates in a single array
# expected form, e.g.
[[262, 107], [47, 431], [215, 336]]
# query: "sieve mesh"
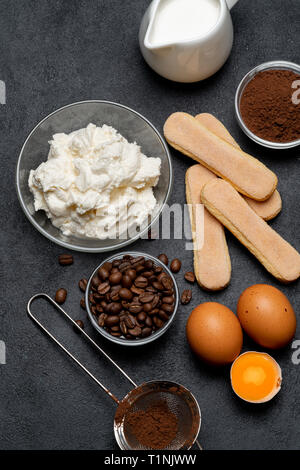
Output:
[[179, 401]]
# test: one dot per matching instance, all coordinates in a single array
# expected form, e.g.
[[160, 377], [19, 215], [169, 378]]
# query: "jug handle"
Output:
[[231, 3]]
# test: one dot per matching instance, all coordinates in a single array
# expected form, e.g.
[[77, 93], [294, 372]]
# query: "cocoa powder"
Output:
[[267, 108], [155, 428]]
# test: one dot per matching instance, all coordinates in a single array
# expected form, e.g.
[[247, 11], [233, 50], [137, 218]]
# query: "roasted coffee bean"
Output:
[[103, 274], [186, 296], [95, 281], [136, 290], [94, 310], [146, 332], [101, 319], [115, 308], [82, 284], [116, 263], [111, 320], [123, 328], [141, 282], [80, 324], [107, 265], [168, 299], [164, 259], [135, 308], [155, 301], [137, 261], [125, 294], [190, 277], [114, 296], [104, 288], [167, 308], [148, 322], [126, 281], [60, 296], [127, 257], [148, 264], [151, 289], [147, 307], [124, 266], [158, 270], [129, 321], [141, 317], [158, 322], [65, 260], [163, 316], [131, 273], [175, 266], [99, 309], [115, 328], [117, 334], [136, 331], [153, 312], [161, 275], [167, 283], [115, 278], [158, 285], [146, 297], [148, 274], [82, 303]]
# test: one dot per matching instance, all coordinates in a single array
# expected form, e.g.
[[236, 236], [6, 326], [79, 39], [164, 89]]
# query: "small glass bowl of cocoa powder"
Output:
[[267, 104]]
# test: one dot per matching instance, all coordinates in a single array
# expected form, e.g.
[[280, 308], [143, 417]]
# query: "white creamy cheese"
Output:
[[95, 184]]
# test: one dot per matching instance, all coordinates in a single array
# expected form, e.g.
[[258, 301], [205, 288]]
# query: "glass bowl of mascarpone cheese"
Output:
[[94, 176]]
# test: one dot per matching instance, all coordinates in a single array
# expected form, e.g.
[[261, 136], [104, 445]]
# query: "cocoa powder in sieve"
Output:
[[155, 428], [267, 107]]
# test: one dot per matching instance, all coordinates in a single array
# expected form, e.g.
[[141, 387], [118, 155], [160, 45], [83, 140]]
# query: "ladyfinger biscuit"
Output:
[[276, 255], [267, 209], [248, 175], [212, 264]]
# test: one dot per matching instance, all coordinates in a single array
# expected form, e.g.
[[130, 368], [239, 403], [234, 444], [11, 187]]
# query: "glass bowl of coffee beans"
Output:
[[131, 298]]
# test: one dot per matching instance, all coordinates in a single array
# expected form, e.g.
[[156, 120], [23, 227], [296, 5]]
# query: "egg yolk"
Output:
[[255, 376]]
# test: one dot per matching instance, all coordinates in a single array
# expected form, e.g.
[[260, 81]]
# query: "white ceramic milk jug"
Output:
[[187, 40]]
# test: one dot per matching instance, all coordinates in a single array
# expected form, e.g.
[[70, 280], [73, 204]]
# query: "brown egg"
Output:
[[267, 316], [214, 333]]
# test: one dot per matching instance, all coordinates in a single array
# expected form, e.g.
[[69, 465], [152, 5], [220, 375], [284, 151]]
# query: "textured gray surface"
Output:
[[54, 53]]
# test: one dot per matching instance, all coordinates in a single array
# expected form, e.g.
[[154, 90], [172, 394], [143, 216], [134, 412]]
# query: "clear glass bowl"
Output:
[[132, 125], [133, 342], [279, 64]]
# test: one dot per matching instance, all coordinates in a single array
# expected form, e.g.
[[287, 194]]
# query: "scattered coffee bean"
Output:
[[60, 296], [190, 277], [82, 303], [186, 296], [65, 260], [131, 297], [164, 259], [80, 324], [175, 266], [82, 284]]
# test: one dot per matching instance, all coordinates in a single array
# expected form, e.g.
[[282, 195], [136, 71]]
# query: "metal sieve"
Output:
[[178, 399]]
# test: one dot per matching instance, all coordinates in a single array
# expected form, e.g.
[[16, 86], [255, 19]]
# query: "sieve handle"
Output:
[[58, 307]]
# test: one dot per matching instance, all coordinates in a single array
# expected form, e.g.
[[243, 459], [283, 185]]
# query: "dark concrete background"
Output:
[[56, 52]]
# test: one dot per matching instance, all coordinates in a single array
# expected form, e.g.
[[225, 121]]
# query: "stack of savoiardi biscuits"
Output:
[[238, 192]]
